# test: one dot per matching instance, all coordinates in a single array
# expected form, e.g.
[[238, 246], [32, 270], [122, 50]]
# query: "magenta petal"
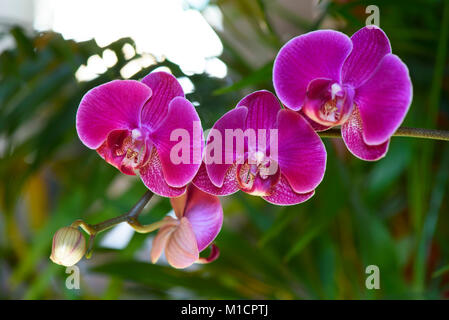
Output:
[[370, 45], [115, 105], [351, 132], [109, 153], [317, 54], [218, 164], [179, 142], [284, 195], [214, 254], [302, 156], [153, 177], [263, 107], [383, 100], [229, 186], [205, 214], [165, 87]]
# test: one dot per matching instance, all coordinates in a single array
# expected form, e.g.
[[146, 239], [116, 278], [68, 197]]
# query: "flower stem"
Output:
[[130, 217], [148, 227], [432, 134]]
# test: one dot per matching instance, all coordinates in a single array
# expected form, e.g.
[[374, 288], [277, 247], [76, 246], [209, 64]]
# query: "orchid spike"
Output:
[[131, 125], [353, 82]]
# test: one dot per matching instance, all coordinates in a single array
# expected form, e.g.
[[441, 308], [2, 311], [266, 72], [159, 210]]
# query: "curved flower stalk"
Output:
[[263, 150], [135, 126], [199, 217], [353, 82]]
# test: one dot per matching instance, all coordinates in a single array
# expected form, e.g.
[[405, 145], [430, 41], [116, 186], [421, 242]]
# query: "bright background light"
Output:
[[164, 28]]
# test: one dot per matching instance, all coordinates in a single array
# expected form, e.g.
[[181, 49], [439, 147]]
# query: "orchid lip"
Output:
[[328, 103], [132, 146], [258, 174]]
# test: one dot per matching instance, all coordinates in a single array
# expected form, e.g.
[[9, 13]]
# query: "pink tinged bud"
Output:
[[69, 246]]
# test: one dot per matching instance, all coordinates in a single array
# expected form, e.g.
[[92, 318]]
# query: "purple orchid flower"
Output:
[[199, 217], [353, 82], [131, 123], [283, 162]]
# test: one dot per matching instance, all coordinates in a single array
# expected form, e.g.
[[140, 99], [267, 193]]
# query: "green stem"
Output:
[[401, 132], [148, 227], [130, 217]]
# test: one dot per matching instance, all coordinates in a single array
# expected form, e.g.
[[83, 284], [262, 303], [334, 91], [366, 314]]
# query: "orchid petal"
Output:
[[234, 119], [181, 250], [302, 156], [179, 204], [317, 54], [160, 241], [384, 99], [108, 150], [263, 107], [165, 87], [153, 177], [182, 118], [205, 214], [284, 195], [214, 254], [352, 134], [370, 45], [229, 186], [115, 105]]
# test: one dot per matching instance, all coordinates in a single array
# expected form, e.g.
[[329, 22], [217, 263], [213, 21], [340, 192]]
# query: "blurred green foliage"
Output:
[[393, 213]]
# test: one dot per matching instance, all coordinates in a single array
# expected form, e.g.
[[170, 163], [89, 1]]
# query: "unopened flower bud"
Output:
[[69, 246]]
